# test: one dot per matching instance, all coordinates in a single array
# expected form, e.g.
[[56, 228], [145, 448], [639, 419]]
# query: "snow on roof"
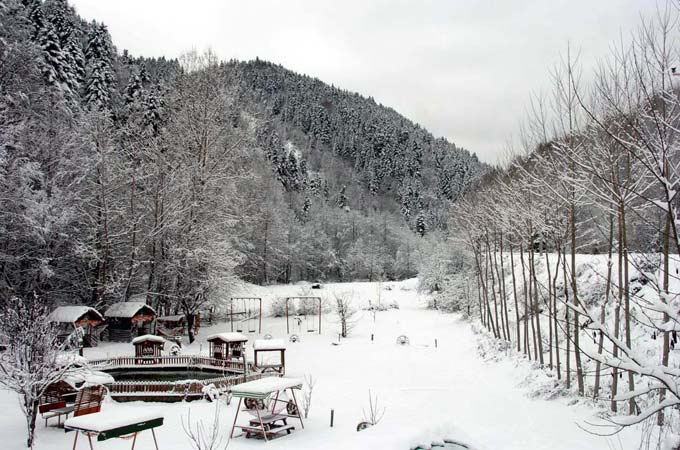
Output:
[[148, 337], [126, 309], [70, 359], [70, 314], [87, 377], [228, 337], [111, 419], [265, 386], [269, 344]]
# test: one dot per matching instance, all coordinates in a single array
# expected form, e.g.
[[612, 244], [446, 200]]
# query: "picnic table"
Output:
[[115, 423]]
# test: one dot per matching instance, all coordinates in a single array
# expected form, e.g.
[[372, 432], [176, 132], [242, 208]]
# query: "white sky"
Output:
[[463, 69]]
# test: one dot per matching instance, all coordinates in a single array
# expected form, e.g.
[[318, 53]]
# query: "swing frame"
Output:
[[288, 299], [245, 299]]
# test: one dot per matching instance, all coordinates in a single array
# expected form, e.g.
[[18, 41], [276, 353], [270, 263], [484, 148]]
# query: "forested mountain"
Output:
[[123, 175]]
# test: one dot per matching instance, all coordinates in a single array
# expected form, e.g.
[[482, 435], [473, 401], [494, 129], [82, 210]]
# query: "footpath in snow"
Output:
[[428, 393]]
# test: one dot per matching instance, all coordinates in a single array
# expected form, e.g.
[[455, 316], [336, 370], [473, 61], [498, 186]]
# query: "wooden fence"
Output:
[[190, 388]]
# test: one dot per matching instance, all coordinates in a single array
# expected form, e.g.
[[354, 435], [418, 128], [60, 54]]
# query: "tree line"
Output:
[[597, 172]]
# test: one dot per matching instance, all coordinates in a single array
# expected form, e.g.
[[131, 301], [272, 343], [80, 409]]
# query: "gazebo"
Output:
[[270, 356], [148, 346], [227, 346], [70, 318], [128, 320]]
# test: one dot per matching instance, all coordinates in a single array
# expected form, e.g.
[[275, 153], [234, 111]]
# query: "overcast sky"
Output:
[[463, 69]]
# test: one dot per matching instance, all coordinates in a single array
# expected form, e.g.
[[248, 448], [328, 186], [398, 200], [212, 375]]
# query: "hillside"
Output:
[[128, 175]]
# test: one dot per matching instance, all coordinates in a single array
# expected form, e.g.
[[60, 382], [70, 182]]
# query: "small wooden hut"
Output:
[[227, 346], [127, 320], [270, 356], [148, 346], [70, 318]]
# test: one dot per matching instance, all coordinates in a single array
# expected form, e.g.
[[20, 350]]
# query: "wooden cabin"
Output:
[[127, 320], [228, 346], [70, 318], [270, 356], [148, 346]]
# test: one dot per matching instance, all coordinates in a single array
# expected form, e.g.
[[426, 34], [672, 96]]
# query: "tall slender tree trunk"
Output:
[[574, 290], [527, 347], [514, 294], [567, 324], [666, 335], [554, 318], [603, 308], [537, 312]]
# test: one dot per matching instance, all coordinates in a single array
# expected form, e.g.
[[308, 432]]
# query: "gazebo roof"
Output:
[[127, 310], [71, 314], [228, 337], [148, 338]]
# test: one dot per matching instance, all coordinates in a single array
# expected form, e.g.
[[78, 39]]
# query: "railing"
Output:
[[189, 361]]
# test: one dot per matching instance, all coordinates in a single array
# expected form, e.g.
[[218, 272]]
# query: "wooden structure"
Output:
[[269, 356], [148, 346], [70, 318], [248, 312], [228, 346], [304, 312], [113, 424], [127, 320], [269, 422], [88, 400]]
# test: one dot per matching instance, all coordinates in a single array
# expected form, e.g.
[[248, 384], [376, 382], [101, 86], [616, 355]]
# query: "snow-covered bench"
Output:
[[115, 423]]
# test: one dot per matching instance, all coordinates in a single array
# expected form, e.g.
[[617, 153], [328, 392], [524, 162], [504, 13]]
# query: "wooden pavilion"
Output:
[[127, 320], [270, 356], [228, 346], [148, 346], [70, 318]]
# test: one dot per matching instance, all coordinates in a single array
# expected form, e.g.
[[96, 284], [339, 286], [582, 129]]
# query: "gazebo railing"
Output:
[[167, 361]]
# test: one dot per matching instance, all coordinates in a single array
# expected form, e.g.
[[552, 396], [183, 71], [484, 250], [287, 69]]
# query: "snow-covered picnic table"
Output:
[[115, 423]]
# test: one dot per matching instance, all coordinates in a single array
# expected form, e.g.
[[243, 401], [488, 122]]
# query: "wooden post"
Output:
[[435, 343], [238, 409], [292, 391], [231, 313], [259, 417], [319, 315], [332, 417], [260, 318], [287, 325], [153, 433]]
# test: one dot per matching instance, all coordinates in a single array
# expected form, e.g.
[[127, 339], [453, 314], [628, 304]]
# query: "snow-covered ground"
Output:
[[429, 393]]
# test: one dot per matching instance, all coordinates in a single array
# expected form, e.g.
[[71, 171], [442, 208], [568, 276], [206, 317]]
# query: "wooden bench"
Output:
[[56, 409], [114, 424]]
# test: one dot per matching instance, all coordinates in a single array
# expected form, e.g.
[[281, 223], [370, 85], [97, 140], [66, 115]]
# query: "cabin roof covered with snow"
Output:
[[74, 313], [148, 338], [127, 309], [269, 344], [228, 337]]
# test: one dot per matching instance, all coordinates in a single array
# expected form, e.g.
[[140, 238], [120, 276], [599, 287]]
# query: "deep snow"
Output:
[[429, 393]]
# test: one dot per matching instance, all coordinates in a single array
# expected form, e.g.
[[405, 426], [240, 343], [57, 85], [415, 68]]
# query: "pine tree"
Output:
[[99, 55], [421, 226], [342, 197]]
